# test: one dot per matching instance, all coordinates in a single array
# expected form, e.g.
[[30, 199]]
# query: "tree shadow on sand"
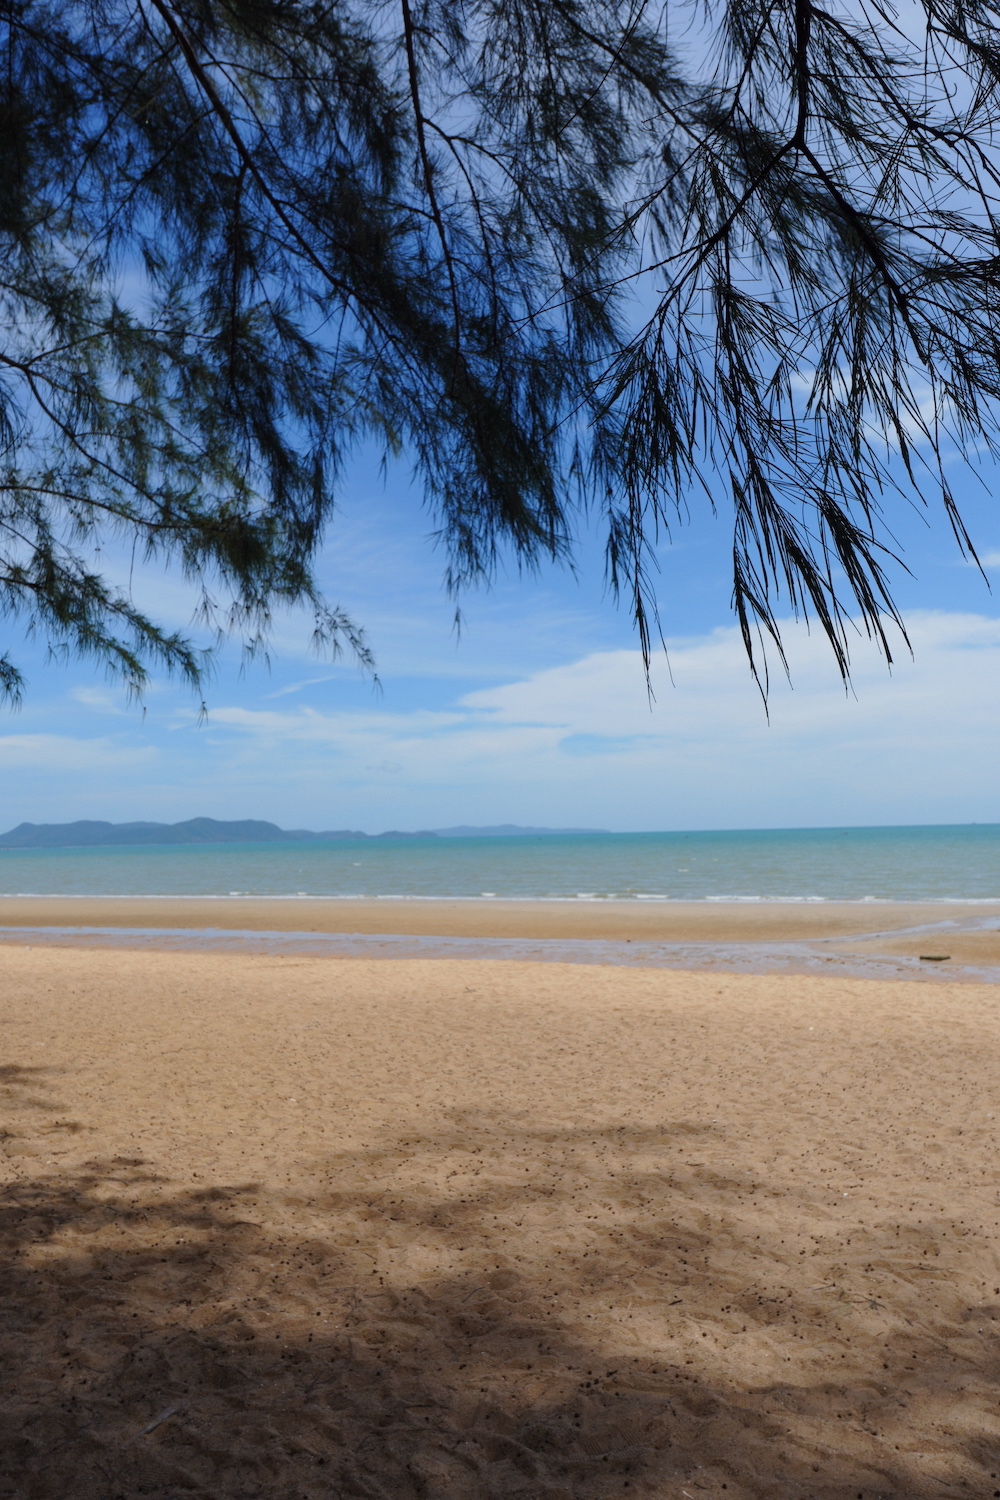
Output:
[[167, 1343]]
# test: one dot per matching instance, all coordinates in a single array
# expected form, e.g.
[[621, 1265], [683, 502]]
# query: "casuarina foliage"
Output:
[[558, 254]]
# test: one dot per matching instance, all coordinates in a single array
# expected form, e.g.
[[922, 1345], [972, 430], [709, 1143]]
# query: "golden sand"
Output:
[[315, 1227]]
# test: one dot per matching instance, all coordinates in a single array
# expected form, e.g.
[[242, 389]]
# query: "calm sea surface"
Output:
[[832, 864]]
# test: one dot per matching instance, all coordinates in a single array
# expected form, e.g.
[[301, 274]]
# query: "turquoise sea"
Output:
[[959, 863]]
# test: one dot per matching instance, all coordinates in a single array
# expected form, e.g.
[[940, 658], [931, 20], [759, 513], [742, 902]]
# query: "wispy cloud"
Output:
[[102, 701], [582, 741], [575, 743], [298, 687]]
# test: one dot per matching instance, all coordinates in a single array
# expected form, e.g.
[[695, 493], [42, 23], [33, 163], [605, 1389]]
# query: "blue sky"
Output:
[[538, 712]]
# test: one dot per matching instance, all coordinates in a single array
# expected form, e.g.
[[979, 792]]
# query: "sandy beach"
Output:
[[312, 1227]]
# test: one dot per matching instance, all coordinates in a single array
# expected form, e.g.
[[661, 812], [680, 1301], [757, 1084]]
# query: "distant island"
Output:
[[504, 831], [89, 833]]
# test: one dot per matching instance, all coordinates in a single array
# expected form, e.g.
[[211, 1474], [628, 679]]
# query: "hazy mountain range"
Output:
[[243, 831]]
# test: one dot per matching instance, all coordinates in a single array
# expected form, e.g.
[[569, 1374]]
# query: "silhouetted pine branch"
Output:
[[522, 242]]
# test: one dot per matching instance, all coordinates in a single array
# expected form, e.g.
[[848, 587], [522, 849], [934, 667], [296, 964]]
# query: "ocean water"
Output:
[[960, 863]]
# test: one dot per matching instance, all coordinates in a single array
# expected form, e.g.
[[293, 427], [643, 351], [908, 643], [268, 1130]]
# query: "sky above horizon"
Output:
[[537, 712]]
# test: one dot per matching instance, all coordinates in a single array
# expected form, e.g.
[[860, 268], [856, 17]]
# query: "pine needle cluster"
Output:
[[560, 254]]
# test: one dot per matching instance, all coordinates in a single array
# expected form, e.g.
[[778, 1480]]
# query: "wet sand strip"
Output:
[[863, 939]]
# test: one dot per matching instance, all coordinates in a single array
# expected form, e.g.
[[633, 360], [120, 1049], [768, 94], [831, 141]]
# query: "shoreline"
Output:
[[901, 940], [584, 899], [535, 917]]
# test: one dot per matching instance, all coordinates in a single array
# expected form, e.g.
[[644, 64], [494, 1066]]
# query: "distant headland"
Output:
[[88, 833]]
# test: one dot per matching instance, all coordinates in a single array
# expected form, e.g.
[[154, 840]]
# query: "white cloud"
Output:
[[580, 742]]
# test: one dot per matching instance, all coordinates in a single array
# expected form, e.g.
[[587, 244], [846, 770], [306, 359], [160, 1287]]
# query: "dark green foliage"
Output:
[[514, 240]]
